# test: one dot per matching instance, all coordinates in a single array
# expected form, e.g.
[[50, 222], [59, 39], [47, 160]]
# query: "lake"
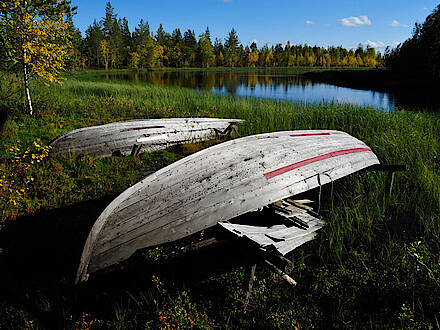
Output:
[[281, 86]]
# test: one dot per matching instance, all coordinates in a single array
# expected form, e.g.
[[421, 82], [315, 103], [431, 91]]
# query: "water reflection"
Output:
[[267, 85]]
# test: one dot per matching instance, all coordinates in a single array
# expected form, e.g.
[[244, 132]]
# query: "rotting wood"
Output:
[[301, 228]]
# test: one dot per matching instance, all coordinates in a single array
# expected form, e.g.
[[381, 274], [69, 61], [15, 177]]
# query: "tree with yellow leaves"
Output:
[[36, 36], [253, 58], [104, 47]]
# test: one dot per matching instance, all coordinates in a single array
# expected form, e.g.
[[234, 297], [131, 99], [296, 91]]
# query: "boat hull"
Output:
[[136, 136], [218, 184]]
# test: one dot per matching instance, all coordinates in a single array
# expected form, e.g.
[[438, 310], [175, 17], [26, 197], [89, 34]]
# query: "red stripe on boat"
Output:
[[310, 134], [288, 168]]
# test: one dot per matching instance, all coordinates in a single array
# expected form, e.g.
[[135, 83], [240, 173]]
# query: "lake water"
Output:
[[288, 87]]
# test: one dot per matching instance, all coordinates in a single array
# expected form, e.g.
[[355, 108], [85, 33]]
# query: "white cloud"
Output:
[[396, 23], [374, 44], [310, 22], [353, 21], [379, 44]]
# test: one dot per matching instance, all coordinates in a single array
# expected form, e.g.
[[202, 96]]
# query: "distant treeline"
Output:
[[420, 54], [110, 44]]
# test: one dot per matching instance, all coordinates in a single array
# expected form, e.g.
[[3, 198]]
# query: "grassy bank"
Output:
[[374, 265]]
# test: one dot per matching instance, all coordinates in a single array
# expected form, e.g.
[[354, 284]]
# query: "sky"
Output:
[[378, 23]]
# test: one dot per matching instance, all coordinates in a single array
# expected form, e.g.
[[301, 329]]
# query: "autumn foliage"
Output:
[[40, 33], [16, 177], [35, 39]]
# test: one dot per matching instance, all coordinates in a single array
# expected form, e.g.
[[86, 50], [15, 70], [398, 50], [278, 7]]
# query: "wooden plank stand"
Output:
[[391, 169], [295, 224]]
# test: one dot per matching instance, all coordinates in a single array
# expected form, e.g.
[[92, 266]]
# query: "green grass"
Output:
[[366, 268]]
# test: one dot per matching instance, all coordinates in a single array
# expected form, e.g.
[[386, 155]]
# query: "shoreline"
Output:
[[368, 78]]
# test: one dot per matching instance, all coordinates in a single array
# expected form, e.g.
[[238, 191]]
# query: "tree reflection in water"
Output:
[[274, 85]]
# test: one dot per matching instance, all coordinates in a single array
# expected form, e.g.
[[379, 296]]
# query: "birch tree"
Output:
[[37, 40]]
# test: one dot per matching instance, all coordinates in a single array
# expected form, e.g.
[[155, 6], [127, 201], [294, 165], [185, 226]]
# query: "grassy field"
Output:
[[375, 265]]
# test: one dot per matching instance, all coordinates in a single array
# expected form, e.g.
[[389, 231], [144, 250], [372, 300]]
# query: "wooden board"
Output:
[[133, 137], [293, 224], [280, 237], [218, 184]]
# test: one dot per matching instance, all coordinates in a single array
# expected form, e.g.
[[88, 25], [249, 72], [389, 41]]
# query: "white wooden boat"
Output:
[[136, 136], [221, 183]]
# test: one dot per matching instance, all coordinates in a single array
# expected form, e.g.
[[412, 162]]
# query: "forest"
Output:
[[108, 43], [420, 54]]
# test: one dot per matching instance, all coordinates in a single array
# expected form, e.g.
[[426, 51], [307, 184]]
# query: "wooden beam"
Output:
[[275, 269], [277, 259], [388, 167], [202, 244], [250, 284], [390, 182]]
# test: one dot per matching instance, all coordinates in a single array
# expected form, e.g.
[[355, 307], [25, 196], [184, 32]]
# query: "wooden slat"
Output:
[[283, 239]]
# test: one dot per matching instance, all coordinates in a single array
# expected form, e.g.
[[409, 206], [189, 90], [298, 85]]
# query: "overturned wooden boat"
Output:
[[136, 136], [220, 183]]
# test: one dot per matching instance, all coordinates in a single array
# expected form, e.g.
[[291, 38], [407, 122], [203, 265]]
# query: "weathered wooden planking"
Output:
[[218, 184], [280, 237], [125, 138]]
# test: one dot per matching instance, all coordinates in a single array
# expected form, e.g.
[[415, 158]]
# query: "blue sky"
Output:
[[319, 22]]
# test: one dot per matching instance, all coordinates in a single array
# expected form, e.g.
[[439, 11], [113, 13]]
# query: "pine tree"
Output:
[[190, 48], [144, 44], [419, 54], [112, 33], [232, 47], [74, 58], [91, 44], [175, 51], [162, 37], [208, 35], [161, 47], [126, 42], [108, 21]]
